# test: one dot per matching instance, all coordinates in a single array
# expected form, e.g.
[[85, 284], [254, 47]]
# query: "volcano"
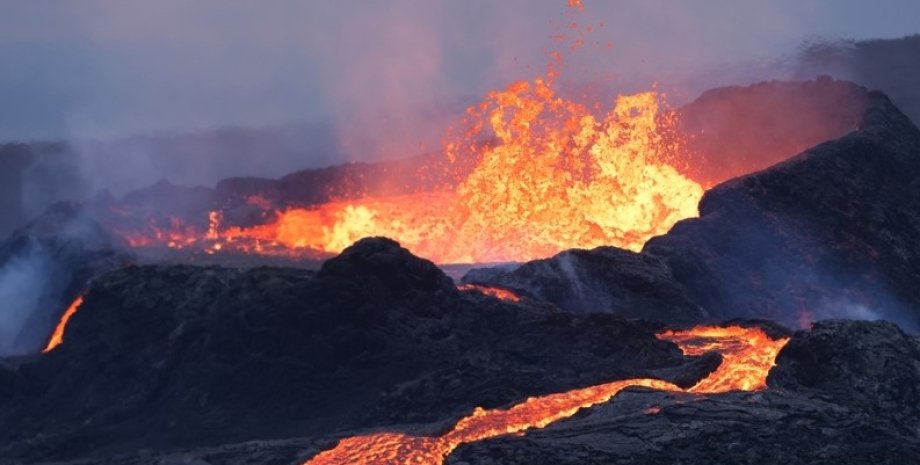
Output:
[[579, 258], [675, 352]]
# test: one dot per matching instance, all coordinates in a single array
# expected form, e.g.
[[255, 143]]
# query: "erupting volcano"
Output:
[[411, 233], [528, 173], [549, 176], [747, 356]]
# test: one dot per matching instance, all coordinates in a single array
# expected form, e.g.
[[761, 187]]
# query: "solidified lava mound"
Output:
[[187, 363], [193, 357]]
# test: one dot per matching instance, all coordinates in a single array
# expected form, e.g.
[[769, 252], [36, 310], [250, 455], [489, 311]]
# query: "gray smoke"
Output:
[[28, 284]]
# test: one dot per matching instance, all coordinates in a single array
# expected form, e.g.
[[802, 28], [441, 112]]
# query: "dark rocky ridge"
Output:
[[579, 280], [166, 357], [828, 233]]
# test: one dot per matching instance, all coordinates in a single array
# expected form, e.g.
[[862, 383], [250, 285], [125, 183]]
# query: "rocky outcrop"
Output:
[[580, 280], [874, 364]]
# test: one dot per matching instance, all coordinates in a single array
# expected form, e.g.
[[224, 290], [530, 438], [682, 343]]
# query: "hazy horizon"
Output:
[[386, 72]]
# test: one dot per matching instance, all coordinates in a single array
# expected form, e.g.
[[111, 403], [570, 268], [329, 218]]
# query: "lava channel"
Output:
[[57, 337], [748, 354]]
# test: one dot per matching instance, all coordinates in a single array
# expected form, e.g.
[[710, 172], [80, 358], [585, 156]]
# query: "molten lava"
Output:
[[747, 356], [57, 337], [555, 177], [497, 292], [529, 174]]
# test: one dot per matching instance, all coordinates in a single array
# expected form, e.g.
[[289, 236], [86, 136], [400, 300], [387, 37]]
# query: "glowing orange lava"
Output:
[[497, 292], [556, 177], [57, 337], [532, 173], [747, 356]]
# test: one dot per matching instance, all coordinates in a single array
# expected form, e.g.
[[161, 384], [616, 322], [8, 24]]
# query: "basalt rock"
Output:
[[870, 363], [603, 279]]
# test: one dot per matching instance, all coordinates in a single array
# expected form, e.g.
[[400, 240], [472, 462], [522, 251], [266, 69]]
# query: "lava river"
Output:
[[57, 337], [747, 356]]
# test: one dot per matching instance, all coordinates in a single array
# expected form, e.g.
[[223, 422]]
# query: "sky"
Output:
[[382, 72]]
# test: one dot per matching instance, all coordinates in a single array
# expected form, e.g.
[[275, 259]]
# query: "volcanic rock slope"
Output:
[[829, 233], [201, 365], [43, 266], [166, 357]]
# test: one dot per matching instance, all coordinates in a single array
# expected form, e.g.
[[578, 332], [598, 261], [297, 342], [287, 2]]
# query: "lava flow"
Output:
[[747, 356], [497, 292], [57, 337]]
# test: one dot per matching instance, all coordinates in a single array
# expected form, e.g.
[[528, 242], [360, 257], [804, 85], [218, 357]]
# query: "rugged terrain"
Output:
[[209, 365], [161, 357], [216, 366]]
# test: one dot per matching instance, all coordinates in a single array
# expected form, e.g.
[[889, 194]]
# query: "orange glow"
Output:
[[747, 356], [556, 177], [497, 292], [529, 173], [57, 337]]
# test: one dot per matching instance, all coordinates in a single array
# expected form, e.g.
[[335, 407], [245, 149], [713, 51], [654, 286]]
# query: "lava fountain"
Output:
[[553, 177], [529, 173], [747, 356]]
